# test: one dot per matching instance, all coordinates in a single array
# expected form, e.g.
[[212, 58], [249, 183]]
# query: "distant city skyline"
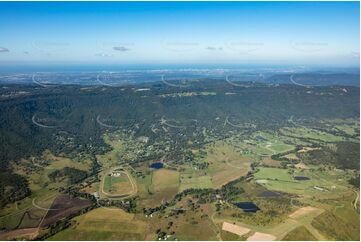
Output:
[[185, 33]]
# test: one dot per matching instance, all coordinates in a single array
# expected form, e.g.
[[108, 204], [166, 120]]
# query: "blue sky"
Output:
[[300, 33]]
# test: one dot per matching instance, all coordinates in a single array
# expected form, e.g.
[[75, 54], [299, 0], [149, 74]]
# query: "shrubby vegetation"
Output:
[[74, 175], [13, 187], [355, 181], [344, 155]]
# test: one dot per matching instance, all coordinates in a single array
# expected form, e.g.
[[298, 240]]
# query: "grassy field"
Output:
[[322, 183], [117, 185], [61, 162], [194, 225], [39, 181], [273, 174], [193, 180], [348, 126], [111, 158], [225, 163], [267, 143], [339, 220], [334, 228], [311, 134], [262, 144], [144, 184], [160, 186], [268, 161], [104, 224], [164, 179], [279, 230], [299, 234]]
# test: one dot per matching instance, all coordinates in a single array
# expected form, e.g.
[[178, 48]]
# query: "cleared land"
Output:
[[311, 134], [303, 212], [193, 180], [104, 224], [28, 234], [261, 237], [118, 184], [225, 164], [300, 233], [121, 185], [332, 183], [162, 186], [63, 206], [235, 229]]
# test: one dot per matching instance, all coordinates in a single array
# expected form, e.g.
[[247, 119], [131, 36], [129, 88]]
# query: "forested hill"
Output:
[[73, 118]]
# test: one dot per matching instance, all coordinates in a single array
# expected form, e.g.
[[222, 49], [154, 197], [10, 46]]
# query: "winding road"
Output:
[[33, 119], [356, 199]]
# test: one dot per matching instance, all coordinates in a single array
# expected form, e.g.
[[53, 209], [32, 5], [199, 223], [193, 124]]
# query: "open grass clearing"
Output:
[[158, 187], [225, 163], [103, 224], [300, 233], [268, 161], [20, 234], [118, 184], [309, 133], [276, 231], [111, 158], [164, 178], [193, 180], [323, 183], [268, 143], [304, 211]]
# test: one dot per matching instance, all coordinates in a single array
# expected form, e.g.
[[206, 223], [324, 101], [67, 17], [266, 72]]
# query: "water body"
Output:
[[301, 178], [248, 207], [260, 138], [269, 194], [156, 165]]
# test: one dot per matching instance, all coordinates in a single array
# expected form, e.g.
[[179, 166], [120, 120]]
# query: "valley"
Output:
[[166, 165]]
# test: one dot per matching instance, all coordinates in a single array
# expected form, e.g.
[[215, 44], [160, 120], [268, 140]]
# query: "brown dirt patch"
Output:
[[302, 211], [301, 165], [63, 206], [270, 162], [291, 157], [261, 237], [27, 234], [235, 229]]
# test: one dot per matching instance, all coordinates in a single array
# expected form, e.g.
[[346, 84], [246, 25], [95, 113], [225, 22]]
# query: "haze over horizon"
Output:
[[179, 33]]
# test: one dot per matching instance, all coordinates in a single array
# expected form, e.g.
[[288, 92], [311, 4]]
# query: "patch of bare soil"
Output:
[[302, 211], [235, 229], [63, 206], [261, 237]]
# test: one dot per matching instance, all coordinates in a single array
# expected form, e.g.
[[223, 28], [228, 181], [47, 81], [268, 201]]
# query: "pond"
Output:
[[248, 207], [260, 138], [269, 194], [301, 178], [157, 165]]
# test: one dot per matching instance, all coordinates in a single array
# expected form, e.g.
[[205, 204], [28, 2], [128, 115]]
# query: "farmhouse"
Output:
[[319, 188], [96, 195], [116, 173]]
